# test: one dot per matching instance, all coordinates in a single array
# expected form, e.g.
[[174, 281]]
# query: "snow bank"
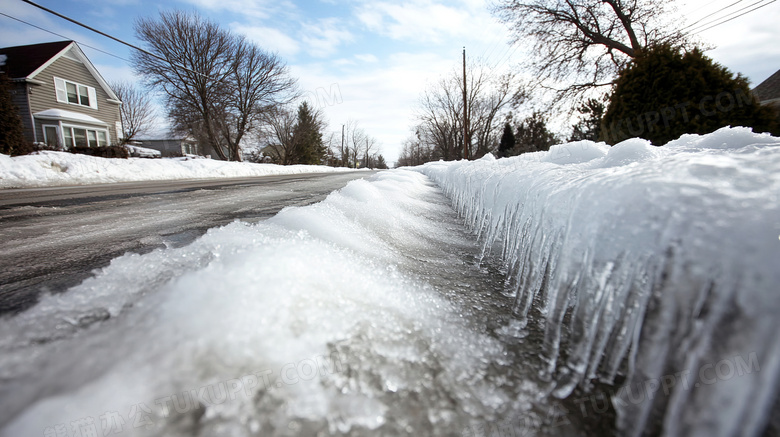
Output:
[[61, 168], [306, 323], [645, 263]]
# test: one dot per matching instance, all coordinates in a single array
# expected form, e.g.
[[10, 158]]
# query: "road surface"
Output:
[[53, 238]]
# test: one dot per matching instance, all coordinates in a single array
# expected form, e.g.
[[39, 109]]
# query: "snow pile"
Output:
[[308, 322], [60, 168], [647, 264]]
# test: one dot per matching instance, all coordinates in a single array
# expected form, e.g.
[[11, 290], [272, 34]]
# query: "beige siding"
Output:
[[44, 96], [19, 97]]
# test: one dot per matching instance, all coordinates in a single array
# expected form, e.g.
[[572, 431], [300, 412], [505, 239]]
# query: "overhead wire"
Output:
[[65, 37], [686, 14], [503, 49], [510, 54], [78, 23], [709, 15], [737, 16]]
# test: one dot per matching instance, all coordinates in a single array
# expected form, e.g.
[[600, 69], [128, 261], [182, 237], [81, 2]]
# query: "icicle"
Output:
[[662, 257]]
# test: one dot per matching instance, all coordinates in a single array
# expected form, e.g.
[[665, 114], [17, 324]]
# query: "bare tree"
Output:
[[137, 111], [280, 129], [415, 152], [440, 113], [581, 44], [356, 144], [218, 85], [331, 146], [370, 151], [441, 118]]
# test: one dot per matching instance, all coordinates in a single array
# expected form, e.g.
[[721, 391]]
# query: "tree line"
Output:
[[226, 92]]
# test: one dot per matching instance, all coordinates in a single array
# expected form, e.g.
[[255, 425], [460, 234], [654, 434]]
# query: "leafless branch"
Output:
[[137, 111], [577, 44], [440, 114], [228, 83]]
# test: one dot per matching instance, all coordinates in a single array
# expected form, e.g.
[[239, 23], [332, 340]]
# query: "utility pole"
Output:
[[342, 145], [465, 112]]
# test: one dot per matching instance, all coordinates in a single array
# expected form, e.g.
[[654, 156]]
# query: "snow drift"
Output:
[[310, 322], [60, 168], [644, 262]]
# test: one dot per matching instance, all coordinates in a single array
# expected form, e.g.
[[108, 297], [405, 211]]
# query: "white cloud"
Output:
[[342, 62], [263, 9], [422, 20], [322, 39], [269, 39], [367, 58]]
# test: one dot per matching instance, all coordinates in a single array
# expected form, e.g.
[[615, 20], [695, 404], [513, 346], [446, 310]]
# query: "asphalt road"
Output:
[[53, 238]]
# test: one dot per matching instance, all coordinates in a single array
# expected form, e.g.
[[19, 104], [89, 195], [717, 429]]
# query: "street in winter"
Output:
[[310, 219]]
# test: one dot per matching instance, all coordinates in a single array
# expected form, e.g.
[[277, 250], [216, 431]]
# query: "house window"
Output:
[[75, 94], [75, 136], [92, 137], [67, 133], [80, 137], [50, 136]]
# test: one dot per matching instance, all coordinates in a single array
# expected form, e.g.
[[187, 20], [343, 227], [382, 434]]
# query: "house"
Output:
[[62, 98], [768, 91], [173, 146]]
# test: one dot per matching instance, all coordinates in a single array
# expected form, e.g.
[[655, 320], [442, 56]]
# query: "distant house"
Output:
[[62, 98], [172, 146], [768, 91]]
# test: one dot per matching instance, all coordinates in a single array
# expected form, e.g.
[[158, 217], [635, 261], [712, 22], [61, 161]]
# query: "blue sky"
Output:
[[371, 58]]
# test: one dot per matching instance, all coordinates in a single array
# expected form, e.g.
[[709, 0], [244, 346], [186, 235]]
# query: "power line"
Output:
[[501, 64], [696, 28], [735, 17], [65, 37], [728, 17], [112, 37], [92, 29], [686, 14], [496, 42], [709, 15], [502, 53]]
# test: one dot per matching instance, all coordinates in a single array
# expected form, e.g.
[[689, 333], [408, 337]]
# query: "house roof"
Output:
[[768, 89], [61, 114], [23, 61]]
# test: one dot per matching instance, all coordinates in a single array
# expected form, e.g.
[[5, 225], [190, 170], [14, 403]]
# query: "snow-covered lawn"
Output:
[[60, 168], [667, 258]]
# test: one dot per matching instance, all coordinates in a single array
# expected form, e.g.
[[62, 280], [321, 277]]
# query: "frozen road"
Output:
[[53, 238]]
